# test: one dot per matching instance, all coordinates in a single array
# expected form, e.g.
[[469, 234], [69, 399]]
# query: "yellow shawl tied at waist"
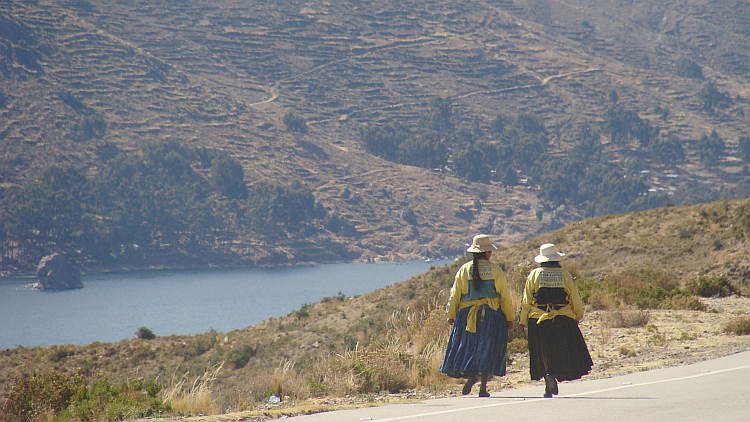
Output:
[[550, 312], [471, 319]]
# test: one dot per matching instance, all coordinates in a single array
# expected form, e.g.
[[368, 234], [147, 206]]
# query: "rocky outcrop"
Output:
[[56, 272]]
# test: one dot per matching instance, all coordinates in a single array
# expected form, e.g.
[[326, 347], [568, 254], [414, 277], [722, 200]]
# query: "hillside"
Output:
[[84, 80], [328, 348]]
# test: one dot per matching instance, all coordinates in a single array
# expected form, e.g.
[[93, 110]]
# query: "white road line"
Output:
[[604, 390], [620, 387]]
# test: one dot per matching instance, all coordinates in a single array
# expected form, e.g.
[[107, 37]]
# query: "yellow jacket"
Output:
[[550, 277], [460, 293]]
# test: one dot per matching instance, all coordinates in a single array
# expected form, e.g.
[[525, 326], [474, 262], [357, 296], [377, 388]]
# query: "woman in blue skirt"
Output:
[[481, 312]]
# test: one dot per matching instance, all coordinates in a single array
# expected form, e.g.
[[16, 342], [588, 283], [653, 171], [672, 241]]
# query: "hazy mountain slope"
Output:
[[222, 74]]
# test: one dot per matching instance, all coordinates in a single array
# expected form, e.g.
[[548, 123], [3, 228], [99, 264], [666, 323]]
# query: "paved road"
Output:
[[716, 390]]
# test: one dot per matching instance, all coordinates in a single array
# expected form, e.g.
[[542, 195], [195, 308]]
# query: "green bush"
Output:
[[145, 333], [102, 401], [706, 286], [294, 123], [518, 345], [152, 389], [35, 395], [58, 354], [66, 397], [688, 69], [240, 357], [228, 177], [646, 288]]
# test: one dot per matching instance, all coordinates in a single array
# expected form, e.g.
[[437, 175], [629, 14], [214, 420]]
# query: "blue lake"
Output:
[[112, 307]]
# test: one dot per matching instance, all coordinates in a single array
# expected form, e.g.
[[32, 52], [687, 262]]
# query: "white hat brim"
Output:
[[544, 258], [477, 249]]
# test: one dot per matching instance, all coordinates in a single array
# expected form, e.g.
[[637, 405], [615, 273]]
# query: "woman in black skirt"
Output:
[[481, 312], [551, 308]]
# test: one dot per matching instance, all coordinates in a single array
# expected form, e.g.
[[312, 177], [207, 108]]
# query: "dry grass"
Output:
[[199, 398], [605, 331], [628, 318], [739, 326], [282, 376]]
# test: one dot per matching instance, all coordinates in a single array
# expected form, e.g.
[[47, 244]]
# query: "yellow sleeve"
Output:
[[501, 286], [574, 296], [460, 284], [527, 300]]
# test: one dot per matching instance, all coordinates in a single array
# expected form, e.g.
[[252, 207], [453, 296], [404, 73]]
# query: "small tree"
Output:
[[497, 125], [711, 148], [744, 143], [613, 96], [688, 69], [145, 333], [294, 123], [510, 178], [710, 98], [441, 117], [530, 123], [228, 177]]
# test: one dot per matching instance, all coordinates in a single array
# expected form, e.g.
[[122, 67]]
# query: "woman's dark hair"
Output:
[[475, 269]]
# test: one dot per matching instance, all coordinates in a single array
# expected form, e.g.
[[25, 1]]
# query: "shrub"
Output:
[[145, 333], [32, 396], [650, 288], [59, 396], [683, 301], [712, 286], [294, 123], [518, 345], [58, 354], [627, 351], [103, 401], [646, 288], [228, 177], [688, 69], [629, 318], [240, 356], [304, 311], [639, 279], [739, 326]]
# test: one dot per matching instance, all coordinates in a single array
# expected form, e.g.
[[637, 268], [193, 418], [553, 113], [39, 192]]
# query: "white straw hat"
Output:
[[481, 243], [548, 252]]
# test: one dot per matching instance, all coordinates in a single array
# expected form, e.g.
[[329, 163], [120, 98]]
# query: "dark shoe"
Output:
[[551, 385], [547, 394], [469, 383], [483, 393]]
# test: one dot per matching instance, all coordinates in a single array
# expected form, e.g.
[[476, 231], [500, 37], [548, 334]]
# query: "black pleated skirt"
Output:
[[557, 347]]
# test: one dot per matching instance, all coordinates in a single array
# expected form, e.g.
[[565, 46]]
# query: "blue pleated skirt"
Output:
[[482, 352]]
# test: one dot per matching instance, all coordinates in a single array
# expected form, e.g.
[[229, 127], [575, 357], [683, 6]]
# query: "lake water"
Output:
[[112, 307]]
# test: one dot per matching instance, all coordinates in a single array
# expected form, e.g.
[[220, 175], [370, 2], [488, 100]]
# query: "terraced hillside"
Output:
[[85, 79]]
